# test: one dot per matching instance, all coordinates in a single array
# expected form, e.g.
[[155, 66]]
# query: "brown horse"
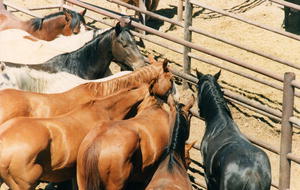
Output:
[[16, 103], [116, 153], [171, 173], [35, 149], [47, 28]]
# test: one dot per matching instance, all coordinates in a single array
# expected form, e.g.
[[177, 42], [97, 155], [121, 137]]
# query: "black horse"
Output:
[[291, 20], [93, 59], [231, 162]]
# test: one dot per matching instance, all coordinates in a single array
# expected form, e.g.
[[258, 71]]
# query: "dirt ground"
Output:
[[250, 123]]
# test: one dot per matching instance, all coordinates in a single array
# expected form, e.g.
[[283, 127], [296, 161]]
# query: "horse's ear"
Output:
[[83, 12], [199, 74], [217, 75], [68, 14], [151, 59], [165, 65], [190, 104], [118, 28]]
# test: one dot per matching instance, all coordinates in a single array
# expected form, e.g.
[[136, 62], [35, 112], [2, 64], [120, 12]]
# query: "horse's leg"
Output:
[[23, 178], [286, 17]]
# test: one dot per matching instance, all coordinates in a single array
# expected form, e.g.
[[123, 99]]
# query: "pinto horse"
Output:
[[93, 59], [43, 82], [45, 149], [16, 103], [47, 28], [116, 153], [171, 172], [230, 161]]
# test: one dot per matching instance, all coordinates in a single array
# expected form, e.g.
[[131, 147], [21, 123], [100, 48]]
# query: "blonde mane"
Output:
[[134, 79]]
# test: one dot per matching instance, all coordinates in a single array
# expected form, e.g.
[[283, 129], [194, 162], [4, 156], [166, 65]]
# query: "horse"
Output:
[[171, 172], [230, 161], [17, 48], [114, 154], [50, 145], [16, 103], [49, 27], [43, 82], [150, 5], [291, 20], [93, 59]]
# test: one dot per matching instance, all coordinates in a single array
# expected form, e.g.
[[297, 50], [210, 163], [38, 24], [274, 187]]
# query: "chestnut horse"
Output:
[[230, 161], [16, 103], [46, 149], [171, 172], [117, 153], [93, 59], [47, 28]]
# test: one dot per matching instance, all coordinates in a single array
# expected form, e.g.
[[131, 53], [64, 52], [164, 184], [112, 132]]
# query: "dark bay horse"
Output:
[[93, 59], [47, 28], [16, 103], [35, 149], [171, 173], [117, 153], [230, 161]]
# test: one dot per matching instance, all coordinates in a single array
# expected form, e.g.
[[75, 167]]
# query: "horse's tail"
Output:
[[90, 165]]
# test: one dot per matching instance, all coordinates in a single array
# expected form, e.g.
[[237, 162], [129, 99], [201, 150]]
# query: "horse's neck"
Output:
[[104, 52], [118, 105], [50, 29], [216, 113]]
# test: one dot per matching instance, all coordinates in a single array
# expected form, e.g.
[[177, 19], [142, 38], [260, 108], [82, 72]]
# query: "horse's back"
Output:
[[17, 48]]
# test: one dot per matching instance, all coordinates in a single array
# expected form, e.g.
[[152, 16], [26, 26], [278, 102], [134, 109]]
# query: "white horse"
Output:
[[43, 82], [18, 46]]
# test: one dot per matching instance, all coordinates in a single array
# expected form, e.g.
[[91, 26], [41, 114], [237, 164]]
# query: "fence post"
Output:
[[286, 131], [188, 37], [62, 2], [179, 10]]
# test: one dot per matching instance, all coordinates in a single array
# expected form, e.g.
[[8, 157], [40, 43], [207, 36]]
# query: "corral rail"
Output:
[[288, 82]]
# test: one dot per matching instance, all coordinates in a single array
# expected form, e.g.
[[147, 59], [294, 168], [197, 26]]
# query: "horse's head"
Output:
[[165, 83], [208, 88], [124, 48], [73, 22]]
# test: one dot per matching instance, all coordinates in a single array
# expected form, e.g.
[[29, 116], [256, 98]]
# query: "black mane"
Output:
[[78, 61], [210, 91], [180, 134], [37, 23]]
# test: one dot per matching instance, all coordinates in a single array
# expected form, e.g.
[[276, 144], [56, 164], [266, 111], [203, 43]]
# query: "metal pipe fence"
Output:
[[289, 82]]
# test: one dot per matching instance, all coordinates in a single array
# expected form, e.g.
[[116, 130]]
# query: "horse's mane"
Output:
[[142, 75], [88, 50], [210, 89], [178, 138], [37, 23]]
